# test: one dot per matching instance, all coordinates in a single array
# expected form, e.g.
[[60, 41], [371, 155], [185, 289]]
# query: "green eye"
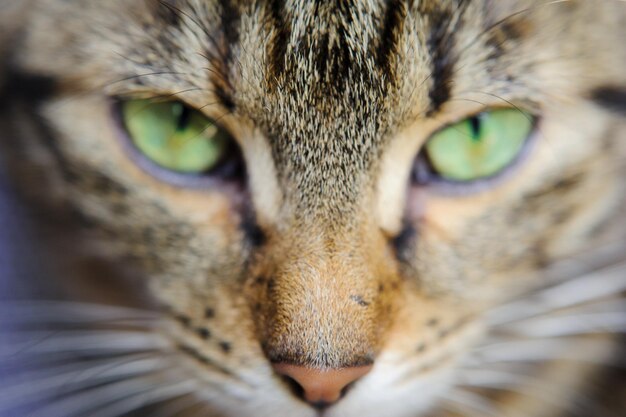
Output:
[[480, 146], [174, 136]]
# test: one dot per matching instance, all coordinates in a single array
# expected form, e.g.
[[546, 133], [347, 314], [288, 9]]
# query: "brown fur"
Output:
[[325, 257]]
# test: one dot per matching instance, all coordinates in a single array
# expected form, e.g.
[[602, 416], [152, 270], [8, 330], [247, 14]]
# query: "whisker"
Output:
[[600, 257], [601, 306], [568, 349], [524, 385], [199, 25], [199, 410], [503, 22], [58, 384], [143, 400], [594, 286], [70, 312], [95, 341], [573, 325], [460, 400], [178, 406], [489, 378], [136, 77], [94, 398]]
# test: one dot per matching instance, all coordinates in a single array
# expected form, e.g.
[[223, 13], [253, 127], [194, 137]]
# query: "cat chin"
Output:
[[268, 406]]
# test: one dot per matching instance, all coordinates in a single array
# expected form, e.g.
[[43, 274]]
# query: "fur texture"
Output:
[[326, 254]]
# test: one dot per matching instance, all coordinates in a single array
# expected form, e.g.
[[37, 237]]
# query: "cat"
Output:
[[299, 208]]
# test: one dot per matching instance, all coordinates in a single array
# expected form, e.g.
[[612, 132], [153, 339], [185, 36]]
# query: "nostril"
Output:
[[295, 388], [320, 387], [298, 391], [345, 390]]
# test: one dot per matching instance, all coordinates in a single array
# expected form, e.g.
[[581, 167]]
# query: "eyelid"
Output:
[[530, 108]]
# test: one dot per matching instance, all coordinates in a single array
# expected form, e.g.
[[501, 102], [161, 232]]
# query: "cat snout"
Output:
[[321, 387]]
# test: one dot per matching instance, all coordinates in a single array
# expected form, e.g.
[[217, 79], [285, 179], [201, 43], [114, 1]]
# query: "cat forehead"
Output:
[[326, 60], [327, 54], [326, 82], [331, 59], [332, 79]]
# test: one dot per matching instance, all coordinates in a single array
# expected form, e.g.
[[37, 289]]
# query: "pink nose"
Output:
[[322, 386]]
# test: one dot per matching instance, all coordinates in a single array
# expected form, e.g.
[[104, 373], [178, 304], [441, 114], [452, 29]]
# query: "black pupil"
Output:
[[184, 114], [475, 124]]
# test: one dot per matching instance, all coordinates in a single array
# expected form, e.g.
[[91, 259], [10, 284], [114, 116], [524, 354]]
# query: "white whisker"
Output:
[[489, 378], [70, 312], [79, 405], [91, 341], [460, 400], [524, 385], [582, 350], [142, 400], [509, 381], [591, 287], [79, 378], [178, 407], [572, 325]]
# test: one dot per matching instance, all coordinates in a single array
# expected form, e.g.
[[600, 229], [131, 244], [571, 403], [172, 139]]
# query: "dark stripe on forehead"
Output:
[[338, 42], [230, 25], [391, 30], [230, 18], [336, 60], [280, 42], [444, 23]]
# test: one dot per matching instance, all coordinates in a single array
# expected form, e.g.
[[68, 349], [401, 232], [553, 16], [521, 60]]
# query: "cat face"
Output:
[[330, 238]]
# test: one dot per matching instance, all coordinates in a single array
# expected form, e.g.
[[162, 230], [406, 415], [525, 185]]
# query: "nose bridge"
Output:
[[324, 155], [323, 307]]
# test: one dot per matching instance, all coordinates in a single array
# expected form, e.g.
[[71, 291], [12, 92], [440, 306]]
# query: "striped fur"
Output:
[[325, 254]]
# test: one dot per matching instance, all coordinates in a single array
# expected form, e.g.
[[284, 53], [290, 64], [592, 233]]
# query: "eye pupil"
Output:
[[475, 126], [182, 114]]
